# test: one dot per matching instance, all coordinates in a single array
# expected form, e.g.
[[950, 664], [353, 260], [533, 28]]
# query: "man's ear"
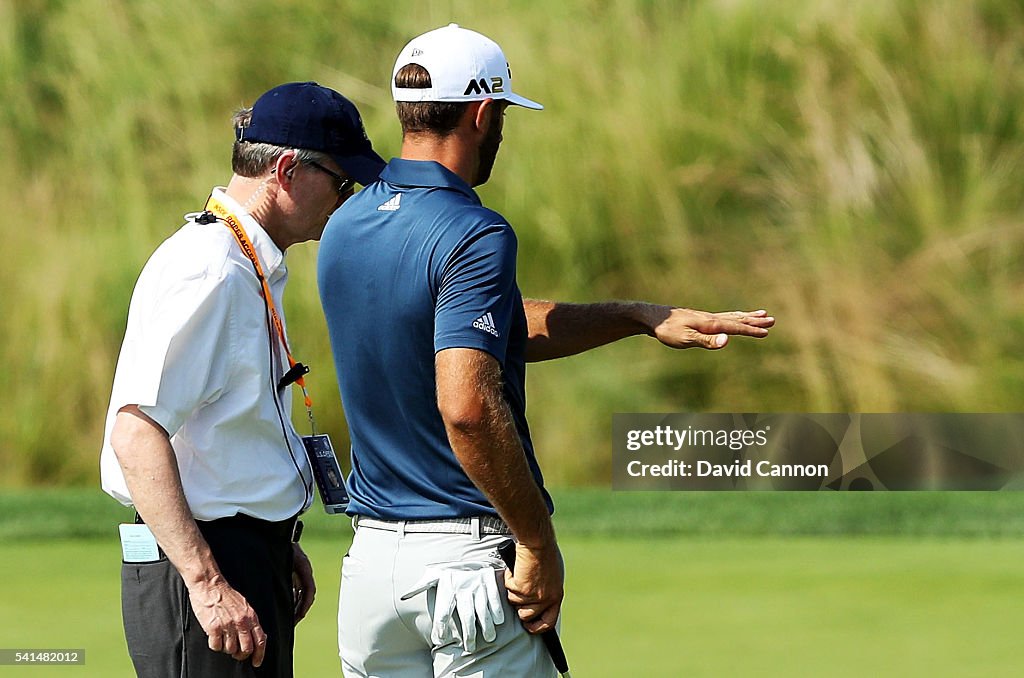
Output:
[[284, 167], [480, 114]]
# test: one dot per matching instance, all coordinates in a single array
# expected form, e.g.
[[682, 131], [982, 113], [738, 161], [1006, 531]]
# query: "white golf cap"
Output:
[[463, 66]]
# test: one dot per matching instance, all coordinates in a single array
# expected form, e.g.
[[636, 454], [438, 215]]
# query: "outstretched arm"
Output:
[[558, 329]]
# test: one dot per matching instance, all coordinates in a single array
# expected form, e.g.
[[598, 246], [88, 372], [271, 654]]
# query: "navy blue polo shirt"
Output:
[[410, 266]]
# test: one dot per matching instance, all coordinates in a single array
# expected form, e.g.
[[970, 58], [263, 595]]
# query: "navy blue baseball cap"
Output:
[[306, 115]]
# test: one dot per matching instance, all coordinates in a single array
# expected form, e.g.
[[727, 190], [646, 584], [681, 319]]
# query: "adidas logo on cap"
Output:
[[391, 205], [486, 323]]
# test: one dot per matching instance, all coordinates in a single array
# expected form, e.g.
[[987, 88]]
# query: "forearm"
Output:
[[483, 436], [559, 329], [496, 464], [484, 439], [151, 473]]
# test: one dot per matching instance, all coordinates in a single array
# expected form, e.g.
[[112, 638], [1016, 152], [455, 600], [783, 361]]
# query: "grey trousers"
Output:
[[382, 636], [164, 637]]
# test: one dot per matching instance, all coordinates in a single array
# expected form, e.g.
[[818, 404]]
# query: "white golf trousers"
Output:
[[382, 636]]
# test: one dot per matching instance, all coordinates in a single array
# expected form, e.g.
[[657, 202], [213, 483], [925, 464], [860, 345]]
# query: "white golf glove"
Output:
[[469, 589]]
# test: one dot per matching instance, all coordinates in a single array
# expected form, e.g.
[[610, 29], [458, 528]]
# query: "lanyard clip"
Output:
[[297, 371], [206, 217]]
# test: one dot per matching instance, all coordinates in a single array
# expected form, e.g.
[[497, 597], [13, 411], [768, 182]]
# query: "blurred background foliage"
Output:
[[853, 167]]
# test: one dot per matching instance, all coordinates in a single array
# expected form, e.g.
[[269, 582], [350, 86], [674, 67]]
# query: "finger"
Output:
[[305, 602], [515, 592], [535, 626], [759, 321], [517, 599], [304, 572], [443, 627], [216, 641], [494, 602], [245, 645], [755, 318], [510, 581], [545, 622], [308, 592], [261, 646], [757, 328], [712, 342], [437, 631], [230, 643], [528, 612], [741, 314], [422, 585], [483, 613], [467, 615]]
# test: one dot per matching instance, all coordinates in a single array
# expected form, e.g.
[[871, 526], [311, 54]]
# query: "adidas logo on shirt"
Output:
[[486, 323], [391, 205]]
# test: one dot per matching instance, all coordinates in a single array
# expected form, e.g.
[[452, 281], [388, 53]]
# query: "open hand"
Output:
[[688, 328]]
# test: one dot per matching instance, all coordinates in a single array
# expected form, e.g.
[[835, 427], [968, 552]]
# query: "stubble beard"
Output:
[[488, 152]]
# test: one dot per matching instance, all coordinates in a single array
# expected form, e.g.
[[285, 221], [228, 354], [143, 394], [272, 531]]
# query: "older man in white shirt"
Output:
[[199, 436]]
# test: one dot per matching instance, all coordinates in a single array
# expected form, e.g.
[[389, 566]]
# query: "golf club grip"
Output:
[[507, 550]]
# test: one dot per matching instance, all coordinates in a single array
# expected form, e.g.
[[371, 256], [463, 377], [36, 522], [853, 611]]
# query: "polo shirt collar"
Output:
[[425, 174], [270, 256]]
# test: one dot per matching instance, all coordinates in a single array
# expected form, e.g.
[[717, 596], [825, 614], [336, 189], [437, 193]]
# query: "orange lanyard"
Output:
[[224, 214]]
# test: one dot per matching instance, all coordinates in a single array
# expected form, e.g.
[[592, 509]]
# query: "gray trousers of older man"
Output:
[[164, 637]]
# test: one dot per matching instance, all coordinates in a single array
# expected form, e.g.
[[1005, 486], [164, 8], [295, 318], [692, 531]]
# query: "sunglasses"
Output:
[[341, 184]]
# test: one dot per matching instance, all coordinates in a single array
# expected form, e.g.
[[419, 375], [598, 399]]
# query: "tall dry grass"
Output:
[[853, 167]]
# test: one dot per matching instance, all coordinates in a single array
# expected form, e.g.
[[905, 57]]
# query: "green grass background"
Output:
[[659, 584], [854, 167]]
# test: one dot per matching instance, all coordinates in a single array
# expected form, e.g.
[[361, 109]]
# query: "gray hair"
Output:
[[255, 158]]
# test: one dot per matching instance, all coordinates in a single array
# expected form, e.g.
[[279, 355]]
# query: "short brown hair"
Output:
[[432, 117]]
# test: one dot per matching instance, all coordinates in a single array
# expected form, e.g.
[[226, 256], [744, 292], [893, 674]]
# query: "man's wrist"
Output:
[[646, 316], [540, 540], [199, 570], [204, 578], [539, 547]]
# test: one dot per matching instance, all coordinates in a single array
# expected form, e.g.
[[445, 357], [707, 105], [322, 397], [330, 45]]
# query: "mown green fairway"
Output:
[[793, 607], [674, 606]]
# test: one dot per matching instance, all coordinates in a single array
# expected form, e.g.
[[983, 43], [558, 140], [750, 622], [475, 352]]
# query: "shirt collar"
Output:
[[271, 258], [425, 174]]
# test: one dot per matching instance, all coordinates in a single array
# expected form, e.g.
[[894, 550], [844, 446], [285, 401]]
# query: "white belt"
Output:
[[475, 525]]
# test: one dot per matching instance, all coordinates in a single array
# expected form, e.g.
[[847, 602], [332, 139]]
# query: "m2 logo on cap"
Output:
[[497, 86]]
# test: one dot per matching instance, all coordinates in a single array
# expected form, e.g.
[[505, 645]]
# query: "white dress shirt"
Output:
[[199, 359]]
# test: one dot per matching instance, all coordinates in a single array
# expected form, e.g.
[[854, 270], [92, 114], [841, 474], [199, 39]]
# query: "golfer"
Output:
[[199, 436], [431, 336]]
